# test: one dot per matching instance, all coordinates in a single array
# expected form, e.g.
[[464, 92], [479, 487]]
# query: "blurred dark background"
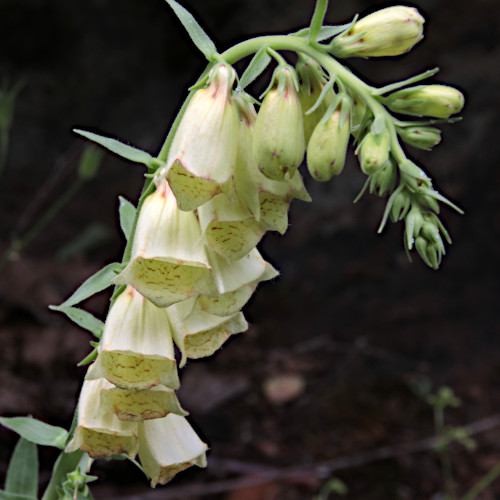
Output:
[[350, 324]]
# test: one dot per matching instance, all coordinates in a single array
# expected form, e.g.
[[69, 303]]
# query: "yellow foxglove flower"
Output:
[[198, 334], [203, 151], [136, 406], [386, 32], [228, 228], [167, 446], [98, 433], [136, 350], [235, 282], [268, 200], [279, 143], [311, 82], [169, 262]]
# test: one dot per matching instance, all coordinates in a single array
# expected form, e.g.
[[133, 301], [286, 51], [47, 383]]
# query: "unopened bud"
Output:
[[383, 181], [438, 101], [311, 84], [413, 225], [400, 206], [386, 32], [374, 152], [421, 137], [327, 148], [279, 144]]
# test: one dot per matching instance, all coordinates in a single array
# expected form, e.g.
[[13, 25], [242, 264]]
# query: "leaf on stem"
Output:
[[317, 19], [96, 283], [127, 213], [119, 148], [36, 431], [257, 65], [22, 474], [194, 30], [83, 319]]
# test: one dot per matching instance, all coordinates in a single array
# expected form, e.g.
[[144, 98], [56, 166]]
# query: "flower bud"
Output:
[[279, 144], [229, 229], [99, 433], [420, 137], [136, 406], [413, 225], [268, 200], [357, 115], [374, 152], [136, 350], [400, 206], [167, 446], [168, 261], [383, 181], [386, 32], [311, 83], [203, 151], [327, 148], [437, 101]]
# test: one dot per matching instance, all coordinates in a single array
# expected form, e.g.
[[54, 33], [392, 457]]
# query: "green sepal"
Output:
[[317, 20], [127, 213], [119, 148], [194, 30], [326, 32], [36, 431], [83, 319], [378, 125], [95, 284], [329, 85], [258, 64], [404, 83], [89, 358], [22, 474]]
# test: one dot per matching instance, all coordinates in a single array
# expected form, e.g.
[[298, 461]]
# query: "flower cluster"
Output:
[[228, 176]]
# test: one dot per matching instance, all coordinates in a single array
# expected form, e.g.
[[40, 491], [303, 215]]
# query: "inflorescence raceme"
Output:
[[225, 176]]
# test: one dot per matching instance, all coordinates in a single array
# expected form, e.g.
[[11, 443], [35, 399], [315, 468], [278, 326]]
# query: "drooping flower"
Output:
[[168, 262], [168, 446], [203, 151], [136, 406], [99, 433], [136, 350]]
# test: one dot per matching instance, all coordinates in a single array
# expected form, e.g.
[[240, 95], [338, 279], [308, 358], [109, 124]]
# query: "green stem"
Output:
[[4, 148], [19, 243], [483, 483], [443, 452]]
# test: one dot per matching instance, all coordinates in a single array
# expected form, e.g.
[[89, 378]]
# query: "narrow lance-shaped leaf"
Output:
[[195, 31], [95, 284], [65, 463], [36, 431], [127, 213], [83, 319], [22, 474], [317, 19], [6, 495], [119, 148], [257, 65]]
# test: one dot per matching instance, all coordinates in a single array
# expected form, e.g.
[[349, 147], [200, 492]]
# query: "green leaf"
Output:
[[89, 358], [194, 30], [257, 65], [95, 284], [317, 19], [65, 463], [127, 213], [117, 147], [22, 474], [5, 495], [84, 319], [36, 431]]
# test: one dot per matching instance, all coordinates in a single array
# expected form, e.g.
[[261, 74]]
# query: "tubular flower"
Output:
[[99, 433], [268, 200], [136, 406], [229, 228], [279, 143], [203, 151], [386, 32], [167, 446], [198, 334], [136, 349], [168, 262]]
